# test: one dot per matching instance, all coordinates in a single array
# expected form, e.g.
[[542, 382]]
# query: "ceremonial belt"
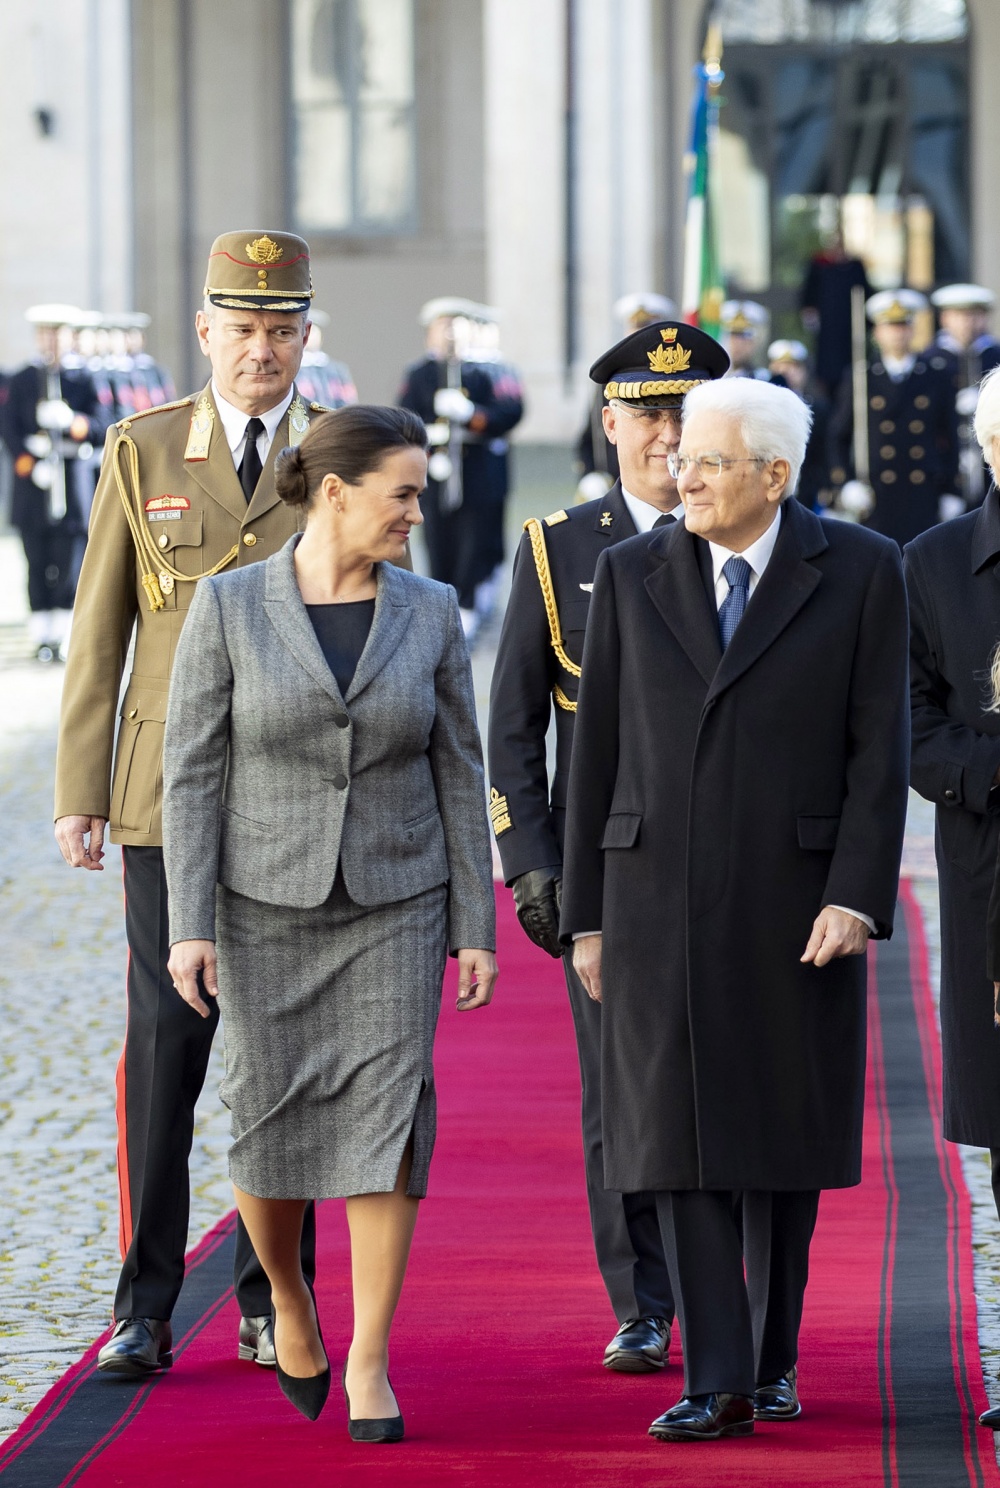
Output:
[[159, 578], [539, 552]]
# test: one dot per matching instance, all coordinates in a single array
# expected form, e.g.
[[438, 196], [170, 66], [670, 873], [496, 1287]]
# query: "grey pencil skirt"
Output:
[[329, 1017]]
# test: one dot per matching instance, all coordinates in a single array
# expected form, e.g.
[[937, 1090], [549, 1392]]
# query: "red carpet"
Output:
[[503, 1320]]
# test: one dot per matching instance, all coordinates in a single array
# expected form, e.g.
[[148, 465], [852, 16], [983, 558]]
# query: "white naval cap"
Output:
[[53, 315], [742, 317], [963, 297], [895, 306], [645, 302], [787, 351], [453, 306]]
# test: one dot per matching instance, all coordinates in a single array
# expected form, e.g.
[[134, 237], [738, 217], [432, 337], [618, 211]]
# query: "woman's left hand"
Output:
[[477, 971]]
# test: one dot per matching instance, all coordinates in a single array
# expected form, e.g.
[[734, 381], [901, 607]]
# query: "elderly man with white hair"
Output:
[[735, 822], [953, 580]]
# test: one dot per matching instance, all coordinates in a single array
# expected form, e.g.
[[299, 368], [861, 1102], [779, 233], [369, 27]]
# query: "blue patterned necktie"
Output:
[[737, 574]]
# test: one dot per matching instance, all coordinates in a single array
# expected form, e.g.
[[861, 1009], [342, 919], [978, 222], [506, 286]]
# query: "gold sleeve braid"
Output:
[[539, 552], [141, 537]]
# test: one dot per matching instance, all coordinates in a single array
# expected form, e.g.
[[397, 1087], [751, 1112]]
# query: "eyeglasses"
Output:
[[649, 418], [709, 467]]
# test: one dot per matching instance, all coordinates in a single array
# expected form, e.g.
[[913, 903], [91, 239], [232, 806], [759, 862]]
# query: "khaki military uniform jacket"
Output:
[[189, 501]]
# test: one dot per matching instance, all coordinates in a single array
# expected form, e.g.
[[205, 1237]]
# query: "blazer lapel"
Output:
[[392, 616], [290, 618], [217, 475], [786, 584], [677, 589]]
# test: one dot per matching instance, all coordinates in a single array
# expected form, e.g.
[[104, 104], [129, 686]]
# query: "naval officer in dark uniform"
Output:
[[644, 379], [912, 428]]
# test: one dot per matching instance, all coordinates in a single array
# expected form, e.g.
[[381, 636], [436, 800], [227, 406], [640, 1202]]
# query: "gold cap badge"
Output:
[[669, 357], [263, 250]]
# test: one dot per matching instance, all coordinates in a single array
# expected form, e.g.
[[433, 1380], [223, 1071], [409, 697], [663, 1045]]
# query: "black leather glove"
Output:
[[538, 896]]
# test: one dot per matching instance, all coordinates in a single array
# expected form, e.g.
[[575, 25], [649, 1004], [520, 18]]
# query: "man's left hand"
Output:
[[835, 933]]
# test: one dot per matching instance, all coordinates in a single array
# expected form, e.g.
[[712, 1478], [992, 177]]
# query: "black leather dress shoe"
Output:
[[777, 1401], [705, 1418], [257, 1341], [639, 1347], [137, 1347], [991, 1418]]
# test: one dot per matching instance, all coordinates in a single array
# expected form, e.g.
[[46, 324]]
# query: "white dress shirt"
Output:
[[234, 425], [899, 368], [645, 516], [758, 555]]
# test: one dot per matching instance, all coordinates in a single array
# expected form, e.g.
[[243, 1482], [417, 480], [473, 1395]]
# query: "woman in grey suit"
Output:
[[326, 844]]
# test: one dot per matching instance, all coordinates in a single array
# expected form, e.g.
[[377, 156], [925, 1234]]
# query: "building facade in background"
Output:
[[524, 153]]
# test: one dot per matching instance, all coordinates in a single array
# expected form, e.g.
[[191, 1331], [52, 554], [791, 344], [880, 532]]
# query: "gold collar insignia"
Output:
[[298, 421], [200, 432]]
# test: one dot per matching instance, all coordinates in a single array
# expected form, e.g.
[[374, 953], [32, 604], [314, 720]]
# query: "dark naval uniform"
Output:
[[538, 667], [912, 443]]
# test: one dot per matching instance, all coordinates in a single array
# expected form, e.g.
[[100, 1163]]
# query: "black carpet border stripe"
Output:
[[100, 1408], [876, 1053]]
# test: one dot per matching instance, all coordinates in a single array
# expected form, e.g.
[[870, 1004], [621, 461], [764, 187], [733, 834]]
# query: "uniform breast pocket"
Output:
[[174, 538]]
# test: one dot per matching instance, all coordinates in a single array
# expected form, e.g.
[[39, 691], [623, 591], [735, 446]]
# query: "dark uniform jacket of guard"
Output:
[[912, 443], [194, 509], [28, 387], [717, 803], [529, 679], [953, 580]]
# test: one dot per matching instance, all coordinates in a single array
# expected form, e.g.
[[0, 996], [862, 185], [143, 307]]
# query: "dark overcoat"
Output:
[[953, 579], [716, 804]]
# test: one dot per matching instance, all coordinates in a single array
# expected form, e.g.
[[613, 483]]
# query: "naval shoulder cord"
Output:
[[539, 552]]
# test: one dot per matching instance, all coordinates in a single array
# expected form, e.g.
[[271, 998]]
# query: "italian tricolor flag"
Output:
[[703, 292]]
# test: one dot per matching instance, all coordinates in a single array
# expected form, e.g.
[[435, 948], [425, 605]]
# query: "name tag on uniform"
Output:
[[164, 516]]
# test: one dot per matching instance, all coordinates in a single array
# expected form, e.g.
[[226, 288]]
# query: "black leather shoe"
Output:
[[257, 1341], [705, 1418], [991, 1418], [308, 1393], [639, 1347], [137, 1347], [380, 1429], [779, 1400]]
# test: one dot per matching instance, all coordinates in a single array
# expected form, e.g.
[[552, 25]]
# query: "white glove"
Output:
[[452, 404], [857, 499], [54, 413], [950, 507], [38, 445], [966, 400], [438, 433], [593, 486], [439, 466]]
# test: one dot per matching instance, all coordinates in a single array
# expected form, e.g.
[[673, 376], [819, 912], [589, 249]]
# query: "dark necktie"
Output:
[[250, 466], [665, 520], [737, 573]]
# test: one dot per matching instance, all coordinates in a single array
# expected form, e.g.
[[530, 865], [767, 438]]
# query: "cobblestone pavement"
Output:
[[62, 956]]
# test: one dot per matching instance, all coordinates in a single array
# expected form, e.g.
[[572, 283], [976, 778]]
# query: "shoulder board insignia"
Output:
[[321, 408], [123, 424], [556, 518]]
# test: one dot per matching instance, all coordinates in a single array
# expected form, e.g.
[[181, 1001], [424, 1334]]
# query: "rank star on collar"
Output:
[[606, 519]]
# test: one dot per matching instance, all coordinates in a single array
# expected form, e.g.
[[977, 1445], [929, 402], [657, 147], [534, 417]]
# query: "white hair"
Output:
[[773, 422], [988, 412]]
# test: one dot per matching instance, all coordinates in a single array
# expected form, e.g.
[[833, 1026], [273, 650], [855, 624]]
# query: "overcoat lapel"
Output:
[[786, 584], [217, 475], [677, 589], [612, 518]]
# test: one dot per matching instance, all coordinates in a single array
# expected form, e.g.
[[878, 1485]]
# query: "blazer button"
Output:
[[340, 781], [249, 539], [949, 795], [163, 539], [132, 712], [341, 720]]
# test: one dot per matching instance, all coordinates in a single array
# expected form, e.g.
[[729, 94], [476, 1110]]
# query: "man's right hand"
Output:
[[587, 964], [538, 896], [81, 841]]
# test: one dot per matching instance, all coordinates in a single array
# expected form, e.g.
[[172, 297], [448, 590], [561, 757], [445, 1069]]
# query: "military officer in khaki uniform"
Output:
[[186, 489]]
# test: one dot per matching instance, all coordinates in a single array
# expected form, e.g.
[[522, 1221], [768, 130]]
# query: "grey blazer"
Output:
[[271, 778]]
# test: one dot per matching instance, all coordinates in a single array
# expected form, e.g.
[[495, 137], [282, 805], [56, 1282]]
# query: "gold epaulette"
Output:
[[122, 424], [554, 518], [539, 552], [321, 408]]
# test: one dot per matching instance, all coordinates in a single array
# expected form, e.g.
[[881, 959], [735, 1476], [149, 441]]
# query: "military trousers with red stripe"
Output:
[[160, 1076]]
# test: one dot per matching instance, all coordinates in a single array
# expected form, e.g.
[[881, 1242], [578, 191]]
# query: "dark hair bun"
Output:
[[290, 478]]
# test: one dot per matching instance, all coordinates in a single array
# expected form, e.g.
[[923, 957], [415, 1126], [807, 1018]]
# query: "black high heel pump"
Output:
[[307, 1393], [372, 1428]]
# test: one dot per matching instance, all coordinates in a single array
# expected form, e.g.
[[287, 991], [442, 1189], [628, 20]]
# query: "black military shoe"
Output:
[[137, 1347], [705, 1418], [639, 1347], [257, 1341], [779, 1400]]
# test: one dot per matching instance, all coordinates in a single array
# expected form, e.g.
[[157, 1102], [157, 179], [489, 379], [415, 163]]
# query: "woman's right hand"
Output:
[[477, 971], [187, 959]]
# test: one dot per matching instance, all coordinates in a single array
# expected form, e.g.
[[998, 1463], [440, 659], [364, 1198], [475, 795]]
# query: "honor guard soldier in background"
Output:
[[788, 366], [743, 323], [508, 392], [458, 401], [186, 490], [52, 421], [320, 377], [644, 379], [597, 458], [964, 337], [912, 429]]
